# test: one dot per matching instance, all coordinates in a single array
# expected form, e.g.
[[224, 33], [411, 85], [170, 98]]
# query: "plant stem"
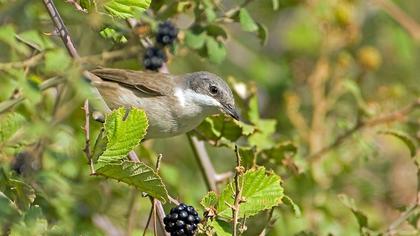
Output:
[[238, 192], [204, 162]]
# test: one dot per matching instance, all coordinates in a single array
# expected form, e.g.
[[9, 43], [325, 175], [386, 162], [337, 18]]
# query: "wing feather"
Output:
[[148, 83]]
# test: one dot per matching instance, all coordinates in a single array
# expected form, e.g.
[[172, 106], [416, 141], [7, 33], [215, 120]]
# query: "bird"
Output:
[[174, 104]]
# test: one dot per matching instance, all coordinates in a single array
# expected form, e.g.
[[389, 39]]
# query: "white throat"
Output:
[[196, 102]]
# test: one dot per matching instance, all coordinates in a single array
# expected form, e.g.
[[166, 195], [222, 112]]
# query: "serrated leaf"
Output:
[[88, 4], [406, 138], [124, 133], [361, 218], [247, 23], [126, 8], [216, 51], [221, 228], [289, 202], [261, 191], [10, 123], [136, 174]]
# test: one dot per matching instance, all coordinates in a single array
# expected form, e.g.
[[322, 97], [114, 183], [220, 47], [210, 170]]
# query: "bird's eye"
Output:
[[214, 90]]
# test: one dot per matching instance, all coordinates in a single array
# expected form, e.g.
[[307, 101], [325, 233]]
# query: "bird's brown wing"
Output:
[[149, 83]]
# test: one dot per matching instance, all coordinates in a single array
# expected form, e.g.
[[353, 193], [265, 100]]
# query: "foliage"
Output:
[[329, 99]]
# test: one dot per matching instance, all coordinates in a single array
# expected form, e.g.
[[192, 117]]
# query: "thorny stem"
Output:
[[238, 192], [61, 28], [86, 129]]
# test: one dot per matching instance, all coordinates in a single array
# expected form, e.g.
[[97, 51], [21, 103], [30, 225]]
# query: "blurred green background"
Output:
[[325, 66]]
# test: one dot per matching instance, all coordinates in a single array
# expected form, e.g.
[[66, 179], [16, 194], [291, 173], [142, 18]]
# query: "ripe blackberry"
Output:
[[182, 220], [153, 58], [167, 33]]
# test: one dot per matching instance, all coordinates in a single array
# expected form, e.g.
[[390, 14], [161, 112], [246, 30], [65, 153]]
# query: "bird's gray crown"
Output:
[[212, 85]]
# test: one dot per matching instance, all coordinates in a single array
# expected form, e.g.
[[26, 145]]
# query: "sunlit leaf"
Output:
[[110, 33], [221, 228], [260, 190], [124, 132], [195, 38], [126, 8], [136, 174]]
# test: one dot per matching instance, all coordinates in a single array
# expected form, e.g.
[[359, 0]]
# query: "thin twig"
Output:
[[86, 129], [238, 192], [403, 217], [61, 28], [204, 162], [32, 61], [391, 117]]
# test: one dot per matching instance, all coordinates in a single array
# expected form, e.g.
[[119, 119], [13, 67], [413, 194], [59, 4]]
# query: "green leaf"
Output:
[[216, 31], [221, 228], [33, 223], [19, 192], [261, 191], [407, 139], [289, 202], [215, 50], [210, 200], [361, 218], [126, 8], [247, 23], [10, 123], [195, 38], [124, 133], [262, 33], [136, 174], [110, 33]]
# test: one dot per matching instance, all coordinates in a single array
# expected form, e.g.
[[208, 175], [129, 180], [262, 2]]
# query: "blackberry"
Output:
[[167, 33], [154, 58], [181, 220]]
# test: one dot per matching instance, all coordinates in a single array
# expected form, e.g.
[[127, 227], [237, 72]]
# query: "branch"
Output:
[[61, 28], [388, 118], [238, 192], [204, 162], [86, 129], [26, 63]]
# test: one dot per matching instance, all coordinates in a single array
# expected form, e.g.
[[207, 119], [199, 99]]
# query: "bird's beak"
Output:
[[231, 111]]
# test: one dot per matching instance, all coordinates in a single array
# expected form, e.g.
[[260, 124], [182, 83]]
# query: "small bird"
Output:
[[174, 104]]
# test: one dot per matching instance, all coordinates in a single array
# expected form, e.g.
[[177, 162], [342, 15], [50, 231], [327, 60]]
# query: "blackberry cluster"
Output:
[[154, 58], [167, 33], [182, 220]]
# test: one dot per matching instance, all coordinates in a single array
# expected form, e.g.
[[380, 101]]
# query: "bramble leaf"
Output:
[[136, 174], [247, 23], [123, 133], [126, 8], [260, 191]]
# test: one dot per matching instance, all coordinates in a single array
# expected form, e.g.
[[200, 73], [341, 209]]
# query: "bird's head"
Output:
[[212, 92]]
